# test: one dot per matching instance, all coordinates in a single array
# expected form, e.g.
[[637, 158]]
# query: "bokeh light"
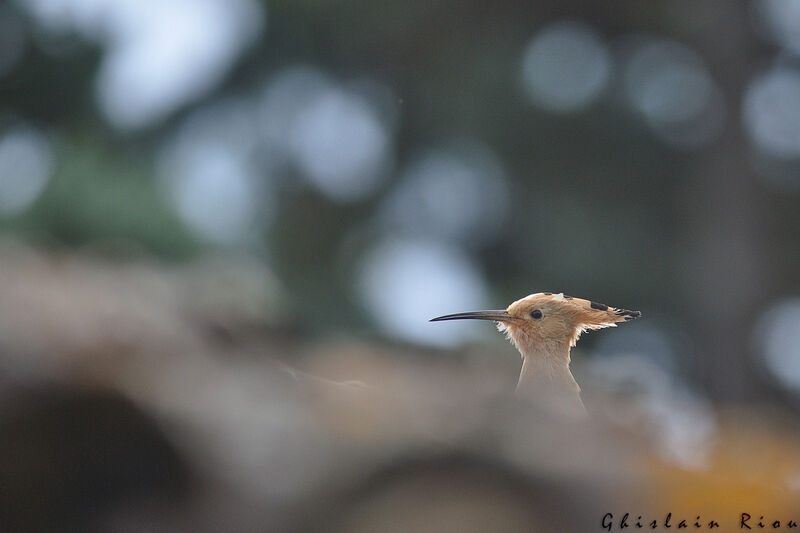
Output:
[[333, 135], [771, 112], [667, 83], [775, 339], [340, 144], [565, 67], [212, 192], [210, 173], [779, 21], [26, 163], [404, 282], [457, 193], [158, 55], [285, 94]]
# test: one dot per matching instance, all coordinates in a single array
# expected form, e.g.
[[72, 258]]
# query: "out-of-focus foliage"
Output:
[[82, 206], [620, 153]]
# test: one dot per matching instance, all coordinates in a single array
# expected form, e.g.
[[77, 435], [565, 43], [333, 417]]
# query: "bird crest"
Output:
[[563, 316]]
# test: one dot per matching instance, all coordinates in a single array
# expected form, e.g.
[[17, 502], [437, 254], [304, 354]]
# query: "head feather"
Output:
[[564, 317]]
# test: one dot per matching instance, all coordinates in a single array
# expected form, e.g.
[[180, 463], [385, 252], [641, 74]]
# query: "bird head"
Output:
[[547, 318]]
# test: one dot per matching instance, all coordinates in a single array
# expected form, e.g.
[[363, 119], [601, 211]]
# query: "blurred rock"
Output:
[[123, 408], [70, 458]]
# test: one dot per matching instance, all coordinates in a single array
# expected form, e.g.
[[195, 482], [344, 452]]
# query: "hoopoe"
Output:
[[544, 327]]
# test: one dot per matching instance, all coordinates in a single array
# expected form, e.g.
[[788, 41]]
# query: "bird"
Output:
[[544, 327]]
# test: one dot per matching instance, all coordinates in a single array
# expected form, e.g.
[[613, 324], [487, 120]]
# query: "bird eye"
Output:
[[536, 314]]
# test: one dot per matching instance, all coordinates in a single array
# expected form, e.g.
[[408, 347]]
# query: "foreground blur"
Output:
[[137, 397]]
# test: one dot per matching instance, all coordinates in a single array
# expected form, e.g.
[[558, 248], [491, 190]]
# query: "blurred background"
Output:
[[224, 225]]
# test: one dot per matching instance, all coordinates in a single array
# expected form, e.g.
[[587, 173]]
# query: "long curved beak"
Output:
[[500, 315]]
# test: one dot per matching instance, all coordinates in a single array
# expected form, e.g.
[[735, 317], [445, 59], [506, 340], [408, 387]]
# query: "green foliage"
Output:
[[97, 195]]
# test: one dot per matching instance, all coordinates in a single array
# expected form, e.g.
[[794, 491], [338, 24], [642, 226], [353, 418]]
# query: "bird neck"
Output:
[[545, 373]]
